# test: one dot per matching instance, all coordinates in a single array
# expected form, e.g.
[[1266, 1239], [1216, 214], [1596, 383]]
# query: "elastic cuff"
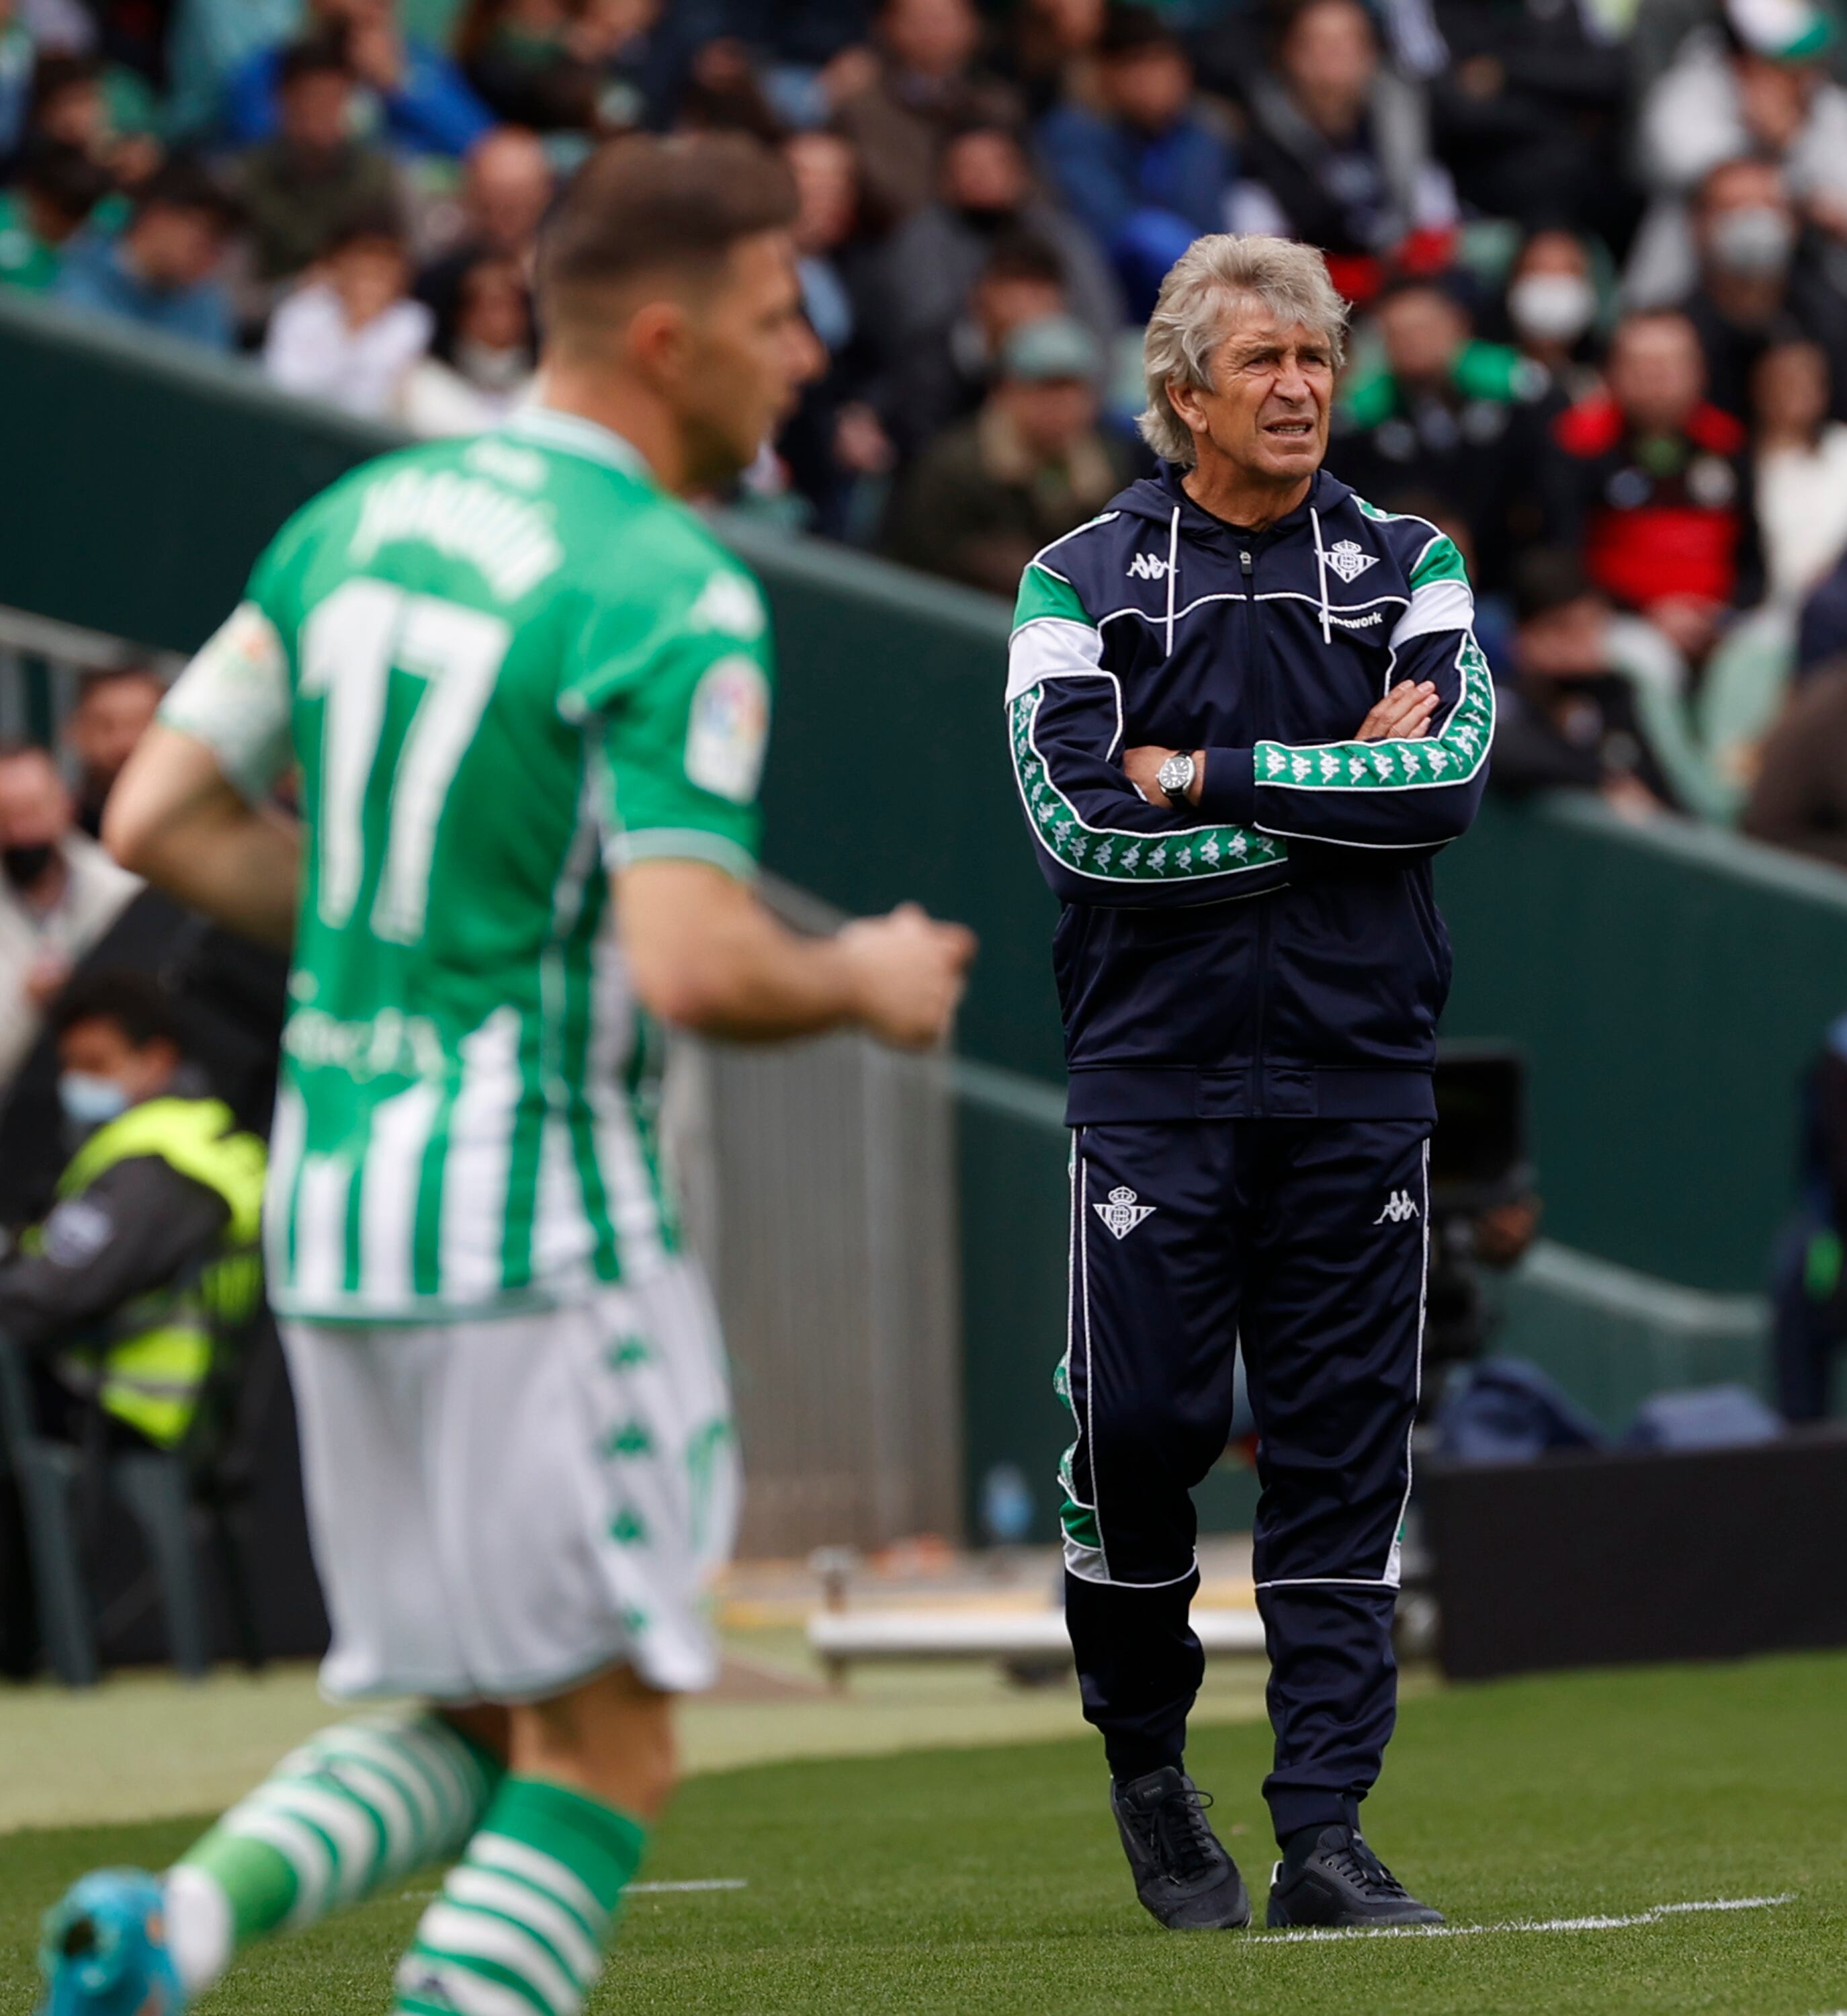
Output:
[[1229, 795]]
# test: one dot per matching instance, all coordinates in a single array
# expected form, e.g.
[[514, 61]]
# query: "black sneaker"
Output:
[[1182, 1874], [1328, 1876]]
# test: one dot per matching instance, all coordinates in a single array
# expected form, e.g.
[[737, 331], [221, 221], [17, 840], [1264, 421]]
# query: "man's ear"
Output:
[[656, 340], [1184, 398]]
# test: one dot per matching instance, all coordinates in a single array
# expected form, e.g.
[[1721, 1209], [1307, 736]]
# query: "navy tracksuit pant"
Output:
[[1303, 1244]]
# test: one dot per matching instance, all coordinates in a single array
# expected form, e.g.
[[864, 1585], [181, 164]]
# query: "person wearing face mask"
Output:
[[147, 1260], [58, 893], [481, 368], [1754, 277], [1552, 308]]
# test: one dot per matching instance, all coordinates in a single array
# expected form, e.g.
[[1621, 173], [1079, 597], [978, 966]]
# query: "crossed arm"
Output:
[[1403, 714]]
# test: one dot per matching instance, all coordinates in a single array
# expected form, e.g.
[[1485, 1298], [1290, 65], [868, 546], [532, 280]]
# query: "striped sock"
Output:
[[519, 1927], [361, 1805]]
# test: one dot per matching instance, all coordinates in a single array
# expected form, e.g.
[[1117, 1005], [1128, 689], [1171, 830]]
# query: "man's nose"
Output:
[[1292, 383], [810, 355]]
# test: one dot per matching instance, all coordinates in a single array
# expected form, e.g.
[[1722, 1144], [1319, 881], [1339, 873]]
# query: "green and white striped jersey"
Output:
[[499, 664]]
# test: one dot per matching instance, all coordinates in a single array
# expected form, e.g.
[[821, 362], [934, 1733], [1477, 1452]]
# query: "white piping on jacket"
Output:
[[1320, 578], [1173, 573]]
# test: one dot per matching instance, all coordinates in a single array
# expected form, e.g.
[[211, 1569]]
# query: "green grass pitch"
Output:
[[990, 1881]]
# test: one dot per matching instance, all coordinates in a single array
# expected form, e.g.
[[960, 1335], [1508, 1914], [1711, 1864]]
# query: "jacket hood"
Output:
[[1155, 497]]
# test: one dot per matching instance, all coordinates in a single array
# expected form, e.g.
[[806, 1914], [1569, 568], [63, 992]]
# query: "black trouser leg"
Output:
[[1148, 1375], [1332, 1329]]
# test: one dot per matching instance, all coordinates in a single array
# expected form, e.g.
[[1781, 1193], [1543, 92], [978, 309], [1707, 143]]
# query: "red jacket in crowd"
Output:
[[1654, 515]]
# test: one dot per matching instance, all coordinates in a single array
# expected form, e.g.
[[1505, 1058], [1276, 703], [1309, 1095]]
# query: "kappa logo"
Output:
[[1122, 1214], [1398, 1207], [1148, 566], [1350, 560]]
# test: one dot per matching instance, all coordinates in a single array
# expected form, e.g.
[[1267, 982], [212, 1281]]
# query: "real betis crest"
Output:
[[1350, 560], [1122, 1214]]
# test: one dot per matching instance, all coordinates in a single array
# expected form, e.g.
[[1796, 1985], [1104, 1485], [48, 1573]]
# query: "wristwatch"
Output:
[[1175, 776]]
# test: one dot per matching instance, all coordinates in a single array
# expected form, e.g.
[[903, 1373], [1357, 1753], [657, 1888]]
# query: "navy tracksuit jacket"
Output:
[[1250, 993]]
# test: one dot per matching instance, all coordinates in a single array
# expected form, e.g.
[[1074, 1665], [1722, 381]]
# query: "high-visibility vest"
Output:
[[150, 1368]]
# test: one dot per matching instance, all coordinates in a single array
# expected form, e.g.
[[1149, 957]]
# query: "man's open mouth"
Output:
[[1289, 429]]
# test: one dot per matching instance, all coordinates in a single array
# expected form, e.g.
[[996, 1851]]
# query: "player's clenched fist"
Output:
[[908, 972]]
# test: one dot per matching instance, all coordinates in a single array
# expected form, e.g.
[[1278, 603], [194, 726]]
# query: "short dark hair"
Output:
[[1018, 255], [1547, 578], [57, 71], [182, 183], [369, 223], [642, 204], [319, 56], [135, 1003], [1129, 30], [64, 176]]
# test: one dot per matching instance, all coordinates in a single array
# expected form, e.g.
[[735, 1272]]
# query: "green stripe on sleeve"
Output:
[[1198, 853], [1044, 593], [1452, 757], [1439, 561]]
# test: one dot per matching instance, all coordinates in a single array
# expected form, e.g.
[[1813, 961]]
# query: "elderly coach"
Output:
[[1246, 707]]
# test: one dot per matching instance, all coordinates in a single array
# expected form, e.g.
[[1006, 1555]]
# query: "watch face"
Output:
[[1176, 774]]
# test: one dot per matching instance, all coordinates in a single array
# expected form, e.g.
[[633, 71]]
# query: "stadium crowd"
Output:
[[1596, 251]]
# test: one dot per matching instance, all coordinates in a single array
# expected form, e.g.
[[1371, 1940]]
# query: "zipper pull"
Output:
[[1244, 565]]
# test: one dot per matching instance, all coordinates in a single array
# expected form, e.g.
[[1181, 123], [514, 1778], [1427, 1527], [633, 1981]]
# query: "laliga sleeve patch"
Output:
[[727, 729], [77, 1232]]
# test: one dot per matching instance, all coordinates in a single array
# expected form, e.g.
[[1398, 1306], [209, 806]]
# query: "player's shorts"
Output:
[[501, 1508]]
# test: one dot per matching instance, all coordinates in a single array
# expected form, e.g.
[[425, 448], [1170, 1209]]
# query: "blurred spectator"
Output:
[[350, 333], [50, 198], [1528, 114], [1591, 695], [161, 270], [1647, 480], [1032, 464], [1552, 307], [1052, 43], [1442, 413], [58, 893], [76, 102], [1752, 279], [17, 55], [930, 264], [835, 441], [1144, 170], [542, 63], [1338, 151], [106, 1297], [507, 187], [416, 93], [482, 368], [1799, 800], [1021, 280], [1821, 629], [926, 88], [724, 95], [301, 187], [1755, 85], [114, 711], [1800, 480]]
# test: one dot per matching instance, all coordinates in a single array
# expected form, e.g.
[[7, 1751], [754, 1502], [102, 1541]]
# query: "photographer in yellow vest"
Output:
[[149, 1256]]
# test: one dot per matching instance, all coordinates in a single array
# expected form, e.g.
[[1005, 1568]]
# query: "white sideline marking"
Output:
[[1655, 1913], [703, 1883]]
